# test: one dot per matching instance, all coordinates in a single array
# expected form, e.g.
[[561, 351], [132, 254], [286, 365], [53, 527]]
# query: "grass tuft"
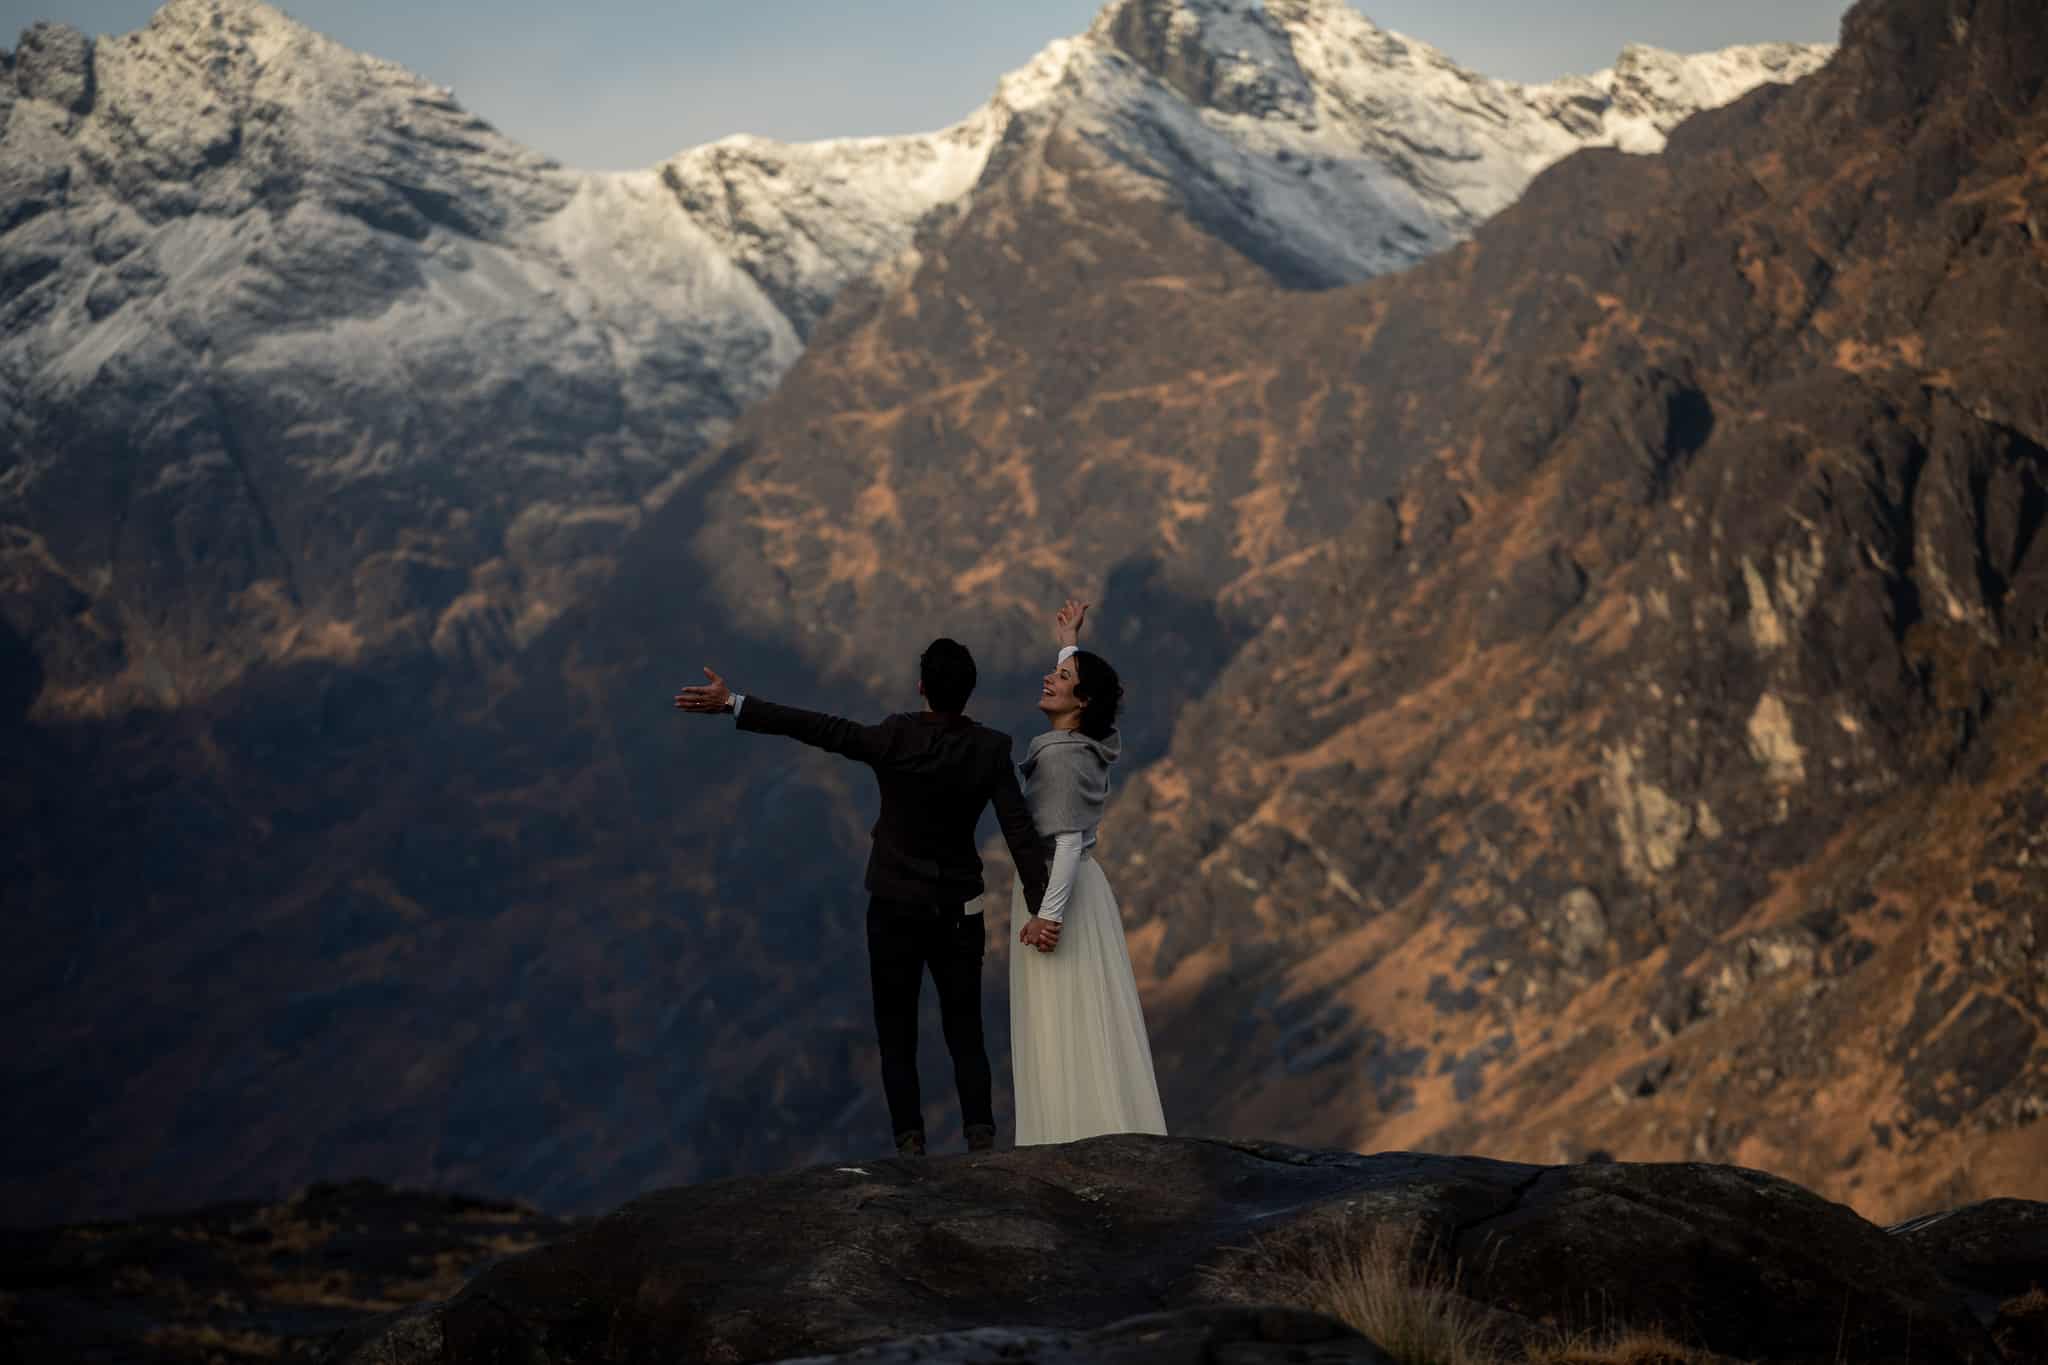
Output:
[[1403, 1299], [1408, 1308]]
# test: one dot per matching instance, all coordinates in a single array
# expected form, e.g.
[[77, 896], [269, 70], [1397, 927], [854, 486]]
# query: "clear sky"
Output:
[[620, 84]]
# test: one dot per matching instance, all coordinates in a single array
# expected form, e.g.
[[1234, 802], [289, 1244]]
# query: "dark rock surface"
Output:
[[1058, 1240], [246, 1281], [1996, 1249], [1745, 1264], [1189, 1336], [1115, 1250]]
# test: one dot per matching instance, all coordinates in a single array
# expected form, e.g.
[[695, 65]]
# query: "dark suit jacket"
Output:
[[936, 772]]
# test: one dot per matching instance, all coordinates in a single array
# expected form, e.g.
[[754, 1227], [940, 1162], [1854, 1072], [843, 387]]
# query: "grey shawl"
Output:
[[1066, 780]]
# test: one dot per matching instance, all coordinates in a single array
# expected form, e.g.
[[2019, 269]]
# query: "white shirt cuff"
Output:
[[739, 699], [1066, 652]]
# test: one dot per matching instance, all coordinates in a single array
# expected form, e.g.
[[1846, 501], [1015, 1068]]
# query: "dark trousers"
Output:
[[903, 940]]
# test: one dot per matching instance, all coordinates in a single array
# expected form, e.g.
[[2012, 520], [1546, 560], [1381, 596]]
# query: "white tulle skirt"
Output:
[[1079, 1052]]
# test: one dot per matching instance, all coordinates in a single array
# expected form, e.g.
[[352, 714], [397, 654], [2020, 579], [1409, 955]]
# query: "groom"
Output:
[[937, 770]]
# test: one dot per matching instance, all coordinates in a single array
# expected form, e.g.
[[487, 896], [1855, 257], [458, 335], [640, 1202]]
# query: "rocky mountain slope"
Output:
[[362, 474], [302, 360], [1112, 249], [1658, 766], [1634, 741]]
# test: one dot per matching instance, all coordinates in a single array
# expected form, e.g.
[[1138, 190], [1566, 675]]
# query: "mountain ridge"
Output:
[[228, 227]]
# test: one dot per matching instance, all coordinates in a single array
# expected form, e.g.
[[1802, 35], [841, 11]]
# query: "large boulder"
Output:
[[1751, 1265], [1996, 1250], [1053, 1241]]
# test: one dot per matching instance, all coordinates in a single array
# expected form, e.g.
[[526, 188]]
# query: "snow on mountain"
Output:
[[805, 218], [1350, 150], [259, 265]]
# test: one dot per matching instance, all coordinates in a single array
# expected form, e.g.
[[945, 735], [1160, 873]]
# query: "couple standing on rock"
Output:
[[1080, 1056]]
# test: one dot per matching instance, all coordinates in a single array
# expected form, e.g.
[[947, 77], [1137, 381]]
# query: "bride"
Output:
[[1082, 1061]]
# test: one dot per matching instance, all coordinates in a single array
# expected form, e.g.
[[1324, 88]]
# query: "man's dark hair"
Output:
[[1100, 693], [947, 671]]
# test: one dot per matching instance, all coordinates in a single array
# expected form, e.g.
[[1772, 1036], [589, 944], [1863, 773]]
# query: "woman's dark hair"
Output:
[[1100, 694], [947, 671]]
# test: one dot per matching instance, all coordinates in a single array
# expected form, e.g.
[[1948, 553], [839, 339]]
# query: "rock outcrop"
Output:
[[1119, 1249], [247, 1281], [1051, 1241], [54, 63], [1191, 1336]]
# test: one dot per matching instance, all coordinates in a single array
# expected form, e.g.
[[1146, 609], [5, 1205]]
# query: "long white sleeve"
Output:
[[1066, 850], [1059, 880]]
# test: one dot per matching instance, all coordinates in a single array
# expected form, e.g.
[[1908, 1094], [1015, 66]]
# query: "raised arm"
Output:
[[1066, 626], [834, 734]]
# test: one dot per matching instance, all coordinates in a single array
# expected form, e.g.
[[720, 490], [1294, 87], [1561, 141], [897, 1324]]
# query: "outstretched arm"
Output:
[[834, 734]]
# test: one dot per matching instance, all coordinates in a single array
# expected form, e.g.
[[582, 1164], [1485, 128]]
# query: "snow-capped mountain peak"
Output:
[[1333, 149], [1650, 90], [1234, 58], [255, 256], [248, 32]]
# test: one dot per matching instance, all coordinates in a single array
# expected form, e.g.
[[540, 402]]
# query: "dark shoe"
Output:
[[981, 1137], [910, 1143]]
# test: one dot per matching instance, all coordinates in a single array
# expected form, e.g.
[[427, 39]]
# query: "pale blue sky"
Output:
[[620, 84]]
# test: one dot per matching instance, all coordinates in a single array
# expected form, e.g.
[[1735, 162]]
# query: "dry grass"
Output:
[[2032, 1304], [1414, 1311], [1378, 1286]]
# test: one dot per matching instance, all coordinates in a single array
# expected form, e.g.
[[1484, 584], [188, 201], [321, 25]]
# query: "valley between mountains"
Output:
[[1586, 678]]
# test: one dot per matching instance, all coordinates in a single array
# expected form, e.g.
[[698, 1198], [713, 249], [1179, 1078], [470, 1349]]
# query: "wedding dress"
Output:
[[1080, 1055]]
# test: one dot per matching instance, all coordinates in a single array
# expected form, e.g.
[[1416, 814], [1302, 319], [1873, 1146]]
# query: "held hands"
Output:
[[712, 699], [1042, 934], [1066, 625]]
